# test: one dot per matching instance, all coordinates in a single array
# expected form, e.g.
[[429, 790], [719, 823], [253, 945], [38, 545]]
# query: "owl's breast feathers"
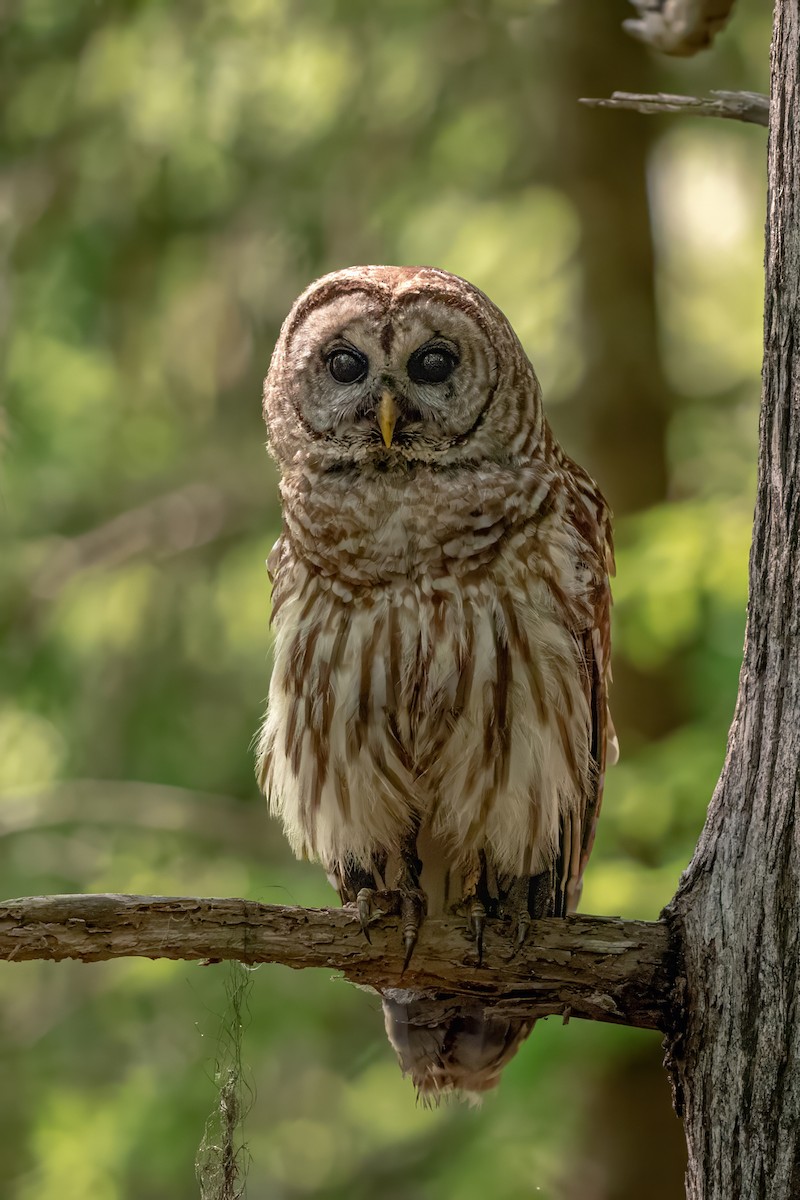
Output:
[[441, 650]]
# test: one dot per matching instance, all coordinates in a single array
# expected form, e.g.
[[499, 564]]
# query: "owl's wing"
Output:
[[595, 645], [274, 559], [279, 579]]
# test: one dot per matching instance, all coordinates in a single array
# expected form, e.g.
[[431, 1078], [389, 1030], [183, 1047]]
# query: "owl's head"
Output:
[[398, 365]]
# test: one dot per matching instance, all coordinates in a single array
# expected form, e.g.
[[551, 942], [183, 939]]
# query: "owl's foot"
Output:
[[374, 903], [521, 932], [365, 904], [529, 898], [413, 903], [517, 908], [407, 903]]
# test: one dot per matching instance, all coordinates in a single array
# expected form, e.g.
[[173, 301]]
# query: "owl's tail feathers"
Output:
[[451, 1048]]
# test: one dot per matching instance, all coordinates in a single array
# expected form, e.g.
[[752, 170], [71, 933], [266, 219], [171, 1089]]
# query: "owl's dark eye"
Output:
[[433, 364], [347, 366]]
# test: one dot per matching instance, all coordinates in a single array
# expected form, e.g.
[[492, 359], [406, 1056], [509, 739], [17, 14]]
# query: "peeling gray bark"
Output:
[[599, 968], [750, 107], [736, 1060]]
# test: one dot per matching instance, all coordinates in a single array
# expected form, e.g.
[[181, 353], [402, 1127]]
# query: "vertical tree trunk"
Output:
[[616, 423], [737, 913]]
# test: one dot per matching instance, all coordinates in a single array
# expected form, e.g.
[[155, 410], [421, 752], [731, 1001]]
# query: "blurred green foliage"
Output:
[[171, 175]]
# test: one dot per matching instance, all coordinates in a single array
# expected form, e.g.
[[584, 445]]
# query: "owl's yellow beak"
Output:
[[387, 417]]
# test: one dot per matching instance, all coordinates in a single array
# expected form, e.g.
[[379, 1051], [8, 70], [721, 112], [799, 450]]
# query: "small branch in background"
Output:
[[599, 968], [227, 822], [167, 525], [751, 107], [678, 27]]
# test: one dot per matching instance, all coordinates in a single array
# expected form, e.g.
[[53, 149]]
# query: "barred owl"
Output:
[[437, 729]]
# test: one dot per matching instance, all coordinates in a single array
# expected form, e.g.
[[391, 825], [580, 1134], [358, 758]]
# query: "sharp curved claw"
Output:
[[412, 911], [523, 925], [409, 941], [407, 903], [477, 927], [364, 908]]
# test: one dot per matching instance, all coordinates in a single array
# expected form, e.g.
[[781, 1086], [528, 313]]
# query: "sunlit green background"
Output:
[[172, 174]]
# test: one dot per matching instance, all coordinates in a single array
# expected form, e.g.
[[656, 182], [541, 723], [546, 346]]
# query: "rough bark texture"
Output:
[[737, 913], [600, 968]]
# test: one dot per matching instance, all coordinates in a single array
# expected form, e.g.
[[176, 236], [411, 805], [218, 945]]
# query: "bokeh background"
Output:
[[172, 174]]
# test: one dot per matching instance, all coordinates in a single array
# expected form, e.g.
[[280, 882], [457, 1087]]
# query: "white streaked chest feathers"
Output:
[[428, 664]]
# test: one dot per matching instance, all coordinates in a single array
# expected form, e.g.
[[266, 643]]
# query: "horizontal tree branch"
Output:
[[152, 808], [751, 107], [165, 525], [598, 968]]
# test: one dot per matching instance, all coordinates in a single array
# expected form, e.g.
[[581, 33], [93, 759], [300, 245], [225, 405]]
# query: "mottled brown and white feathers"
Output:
[[440, 605]]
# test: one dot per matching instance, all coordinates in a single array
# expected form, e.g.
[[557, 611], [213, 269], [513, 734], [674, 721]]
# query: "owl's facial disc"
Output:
[[396, 366]]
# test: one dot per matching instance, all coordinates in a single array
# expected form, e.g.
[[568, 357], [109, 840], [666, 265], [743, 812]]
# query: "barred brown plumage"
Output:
[[437, 725]]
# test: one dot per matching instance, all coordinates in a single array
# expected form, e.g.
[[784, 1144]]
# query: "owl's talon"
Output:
[[412, 914], [517, 911], [477, 926], [409, 941], [406, 902], [364, 901]]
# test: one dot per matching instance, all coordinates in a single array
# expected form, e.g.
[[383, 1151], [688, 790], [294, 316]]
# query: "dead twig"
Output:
[[751, 107]]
